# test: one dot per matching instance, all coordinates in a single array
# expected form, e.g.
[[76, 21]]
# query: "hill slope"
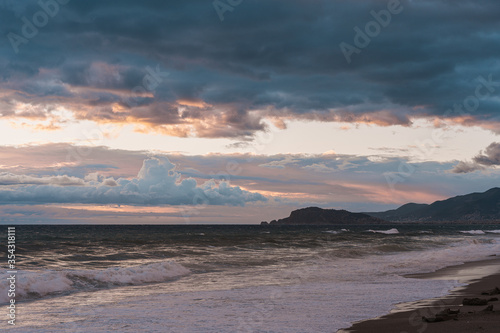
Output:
[[474, 206]]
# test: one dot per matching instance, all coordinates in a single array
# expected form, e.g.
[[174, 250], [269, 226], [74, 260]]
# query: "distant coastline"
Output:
[[319, 216], [473, 208]]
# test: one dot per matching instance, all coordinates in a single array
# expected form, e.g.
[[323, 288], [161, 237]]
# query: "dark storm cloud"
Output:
[[267, 59]]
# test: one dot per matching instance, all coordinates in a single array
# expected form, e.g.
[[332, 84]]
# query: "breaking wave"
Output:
[[37, 284], [387, 232], [473, 232]]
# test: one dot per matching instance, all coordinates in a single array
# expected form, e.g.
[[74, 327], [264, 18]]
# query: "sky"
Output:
[[237, 111]]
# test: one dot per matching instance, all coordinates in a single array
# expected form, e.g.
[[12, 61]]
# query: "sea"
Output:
[[228, 278]]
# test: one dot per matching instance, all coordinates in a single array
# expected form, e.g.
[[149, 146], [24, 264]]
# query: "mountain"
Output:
[[469, 207], [319, 216]]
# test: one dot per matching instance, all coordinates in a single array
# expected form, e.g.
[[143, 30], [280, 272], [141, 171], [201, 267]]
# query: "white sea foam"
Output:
[[36, 284], [453, 254], [155, 272], [473, 232], [335, 232], [493, 231], [387, 232]]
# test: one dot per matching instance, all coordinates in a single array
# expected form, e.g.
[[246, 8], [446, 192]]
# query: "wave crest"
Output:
[[31, 284], [473, 232], [387, 232]]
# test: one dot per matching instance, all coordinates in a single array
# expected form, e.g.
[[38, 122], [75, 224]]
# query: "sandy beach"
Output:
[[480, 279]]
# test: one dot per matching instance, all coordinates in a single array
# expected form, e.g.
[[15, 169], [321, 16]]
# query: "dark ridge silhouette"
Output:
[[470, 207], [319, 216]]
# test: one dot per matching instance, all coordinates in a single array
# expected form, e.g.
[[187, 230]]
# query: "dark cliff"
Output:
[[319, 216]]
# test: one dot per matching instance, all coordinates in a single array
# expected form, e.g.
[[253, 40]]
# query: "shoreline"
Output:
[[478, 277]]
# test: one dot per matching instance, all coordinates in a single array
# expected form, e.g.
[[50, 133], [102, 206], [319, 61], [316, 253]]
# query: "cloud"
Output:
[[280, 162], [489, 158], [269, 60], [466, 167], [58, 159], [319, 167], [491, 155], [157, 183], [12, 179], [327, 180]]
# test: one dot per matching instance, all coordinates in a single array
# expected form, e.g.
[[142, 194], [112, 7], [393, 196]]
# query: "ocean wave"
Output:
[[493, 231], [36, 284], [334, 231], [429, 260], [392, 231], [482, 241], [473, 232]]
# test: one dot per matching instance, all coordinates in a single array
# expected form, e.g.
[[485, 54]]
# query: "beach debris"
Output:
[[451, 312], [446, 314], [475, 301], [495, 291], [432, 319], [448, 311], [488, 308]]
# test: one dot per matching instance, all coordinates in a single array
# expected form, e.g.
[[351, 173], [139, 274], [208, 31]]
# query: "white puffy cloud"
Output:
[[157, 183]]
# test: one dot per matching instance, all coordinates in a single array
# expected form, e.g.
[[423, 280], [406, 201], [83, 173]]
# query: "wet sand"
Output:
[[480, 276]]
